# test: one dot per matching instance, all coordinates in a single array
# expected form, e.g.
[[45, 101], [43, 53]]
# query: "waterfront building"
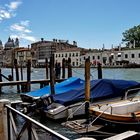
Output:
[[113, 57], [8, 51], [74, 54], [40, 51], [23, 55], [1, 53], [44, 49]]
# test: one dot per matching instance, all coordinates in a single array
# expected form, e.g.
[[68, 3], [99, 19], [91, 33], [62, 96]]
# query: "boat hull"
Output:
[[59, 111], [122, 119], [121, 112]]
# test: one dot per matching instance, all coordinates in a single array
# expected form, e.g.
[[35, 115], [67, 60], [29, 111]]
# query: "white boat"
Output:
[[123, 112]]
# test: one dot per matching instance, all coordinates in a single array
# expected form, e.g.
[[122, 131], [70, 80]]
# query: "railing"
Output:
[[31, 129]]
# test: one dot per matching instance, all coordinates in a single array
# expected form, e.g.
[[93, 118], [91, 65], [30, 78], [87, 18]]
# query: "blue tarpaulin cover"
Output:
[[65, 86], [101, 88]]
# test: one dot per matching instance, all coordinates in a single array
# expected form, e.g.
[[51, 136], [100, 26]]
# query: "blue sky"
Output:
[[91, 23]]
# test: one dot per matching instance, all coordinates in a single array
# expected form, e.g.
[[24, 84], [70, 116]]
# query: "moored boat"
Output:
[[64, 86], [72, 103], [123, 112]]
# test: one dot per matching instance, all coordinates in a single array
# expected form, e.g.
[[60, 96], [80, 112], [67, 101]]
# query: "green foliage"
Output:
[[131, 35]]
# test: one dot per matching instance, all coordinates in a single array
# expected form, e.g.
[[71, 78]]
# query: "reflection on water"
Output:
[[11, 94]]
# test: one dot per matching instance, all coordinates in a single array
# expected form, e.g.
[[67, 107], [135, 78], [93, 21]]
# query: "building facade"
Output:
[[74, 54], [23, 55], [113, 57], [44, 49]]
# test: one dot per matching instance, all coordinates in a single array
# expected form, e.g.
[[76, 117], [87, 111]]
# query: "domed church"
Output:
[[10, 44]]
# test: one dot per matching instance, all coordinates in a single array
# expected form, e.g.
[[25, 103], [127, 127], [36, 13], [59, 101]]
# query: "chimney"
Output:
[[42, 39], [74, 43]]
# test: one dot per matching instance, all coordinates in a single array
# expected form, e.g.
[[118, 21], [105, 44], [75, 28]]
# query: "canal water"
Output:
[[39, 73]]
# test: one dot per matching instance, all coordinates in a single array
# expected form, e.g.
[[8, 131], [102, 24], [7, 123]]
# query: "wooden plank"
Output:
[[123, 135], [24, 82], [80, 126]]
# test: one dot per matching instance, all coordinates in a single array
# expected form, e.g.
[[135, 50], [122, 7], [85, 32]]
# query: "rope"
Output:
[[98, 116], [75, 110], [78, 72]]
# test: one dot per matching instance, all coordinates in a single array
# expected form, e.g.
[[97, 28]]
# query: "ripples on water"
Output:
[[11, 94]]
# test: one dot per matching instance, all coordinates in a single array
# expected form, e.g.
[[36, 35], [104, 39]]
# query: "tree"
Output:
[[132, 36]]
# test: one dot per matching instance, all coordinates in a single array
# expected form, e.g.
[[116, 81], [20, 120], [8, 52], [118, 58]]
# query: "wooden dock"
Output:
[[128, 135], [41, 81], [25, 83]]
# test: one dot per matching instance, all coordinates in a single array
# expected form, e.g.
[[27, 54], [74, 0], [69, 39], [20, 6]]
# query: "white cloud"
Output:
[[13, 5], [4, 14], [25, 23], [14, 36], [24, 37], [19, 28], [29, 38], [21, 31], [8, 11]]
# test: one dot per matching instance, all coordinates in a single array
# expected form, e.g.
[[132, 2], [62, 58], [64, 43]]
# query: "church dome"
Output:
[[9, 44]]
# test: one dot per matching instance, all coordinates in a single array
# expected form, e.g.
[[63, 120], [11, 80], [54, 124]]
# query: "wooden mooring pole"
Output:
[[28, 75], [63, 68], [21, 71], [69, 68], [0, 81], [3, 120], [17, 74], [12, 65], [46, 61], [87, 88], [99, 71], [52, 74]]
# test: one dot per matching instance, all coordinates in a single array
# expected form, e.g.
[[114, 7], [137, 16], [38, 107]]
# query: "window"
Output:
[[73, 63], [139, 55], [126, 55], [66, 55], [112, 56], [133, 55], [98, 57], [93, 57]]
